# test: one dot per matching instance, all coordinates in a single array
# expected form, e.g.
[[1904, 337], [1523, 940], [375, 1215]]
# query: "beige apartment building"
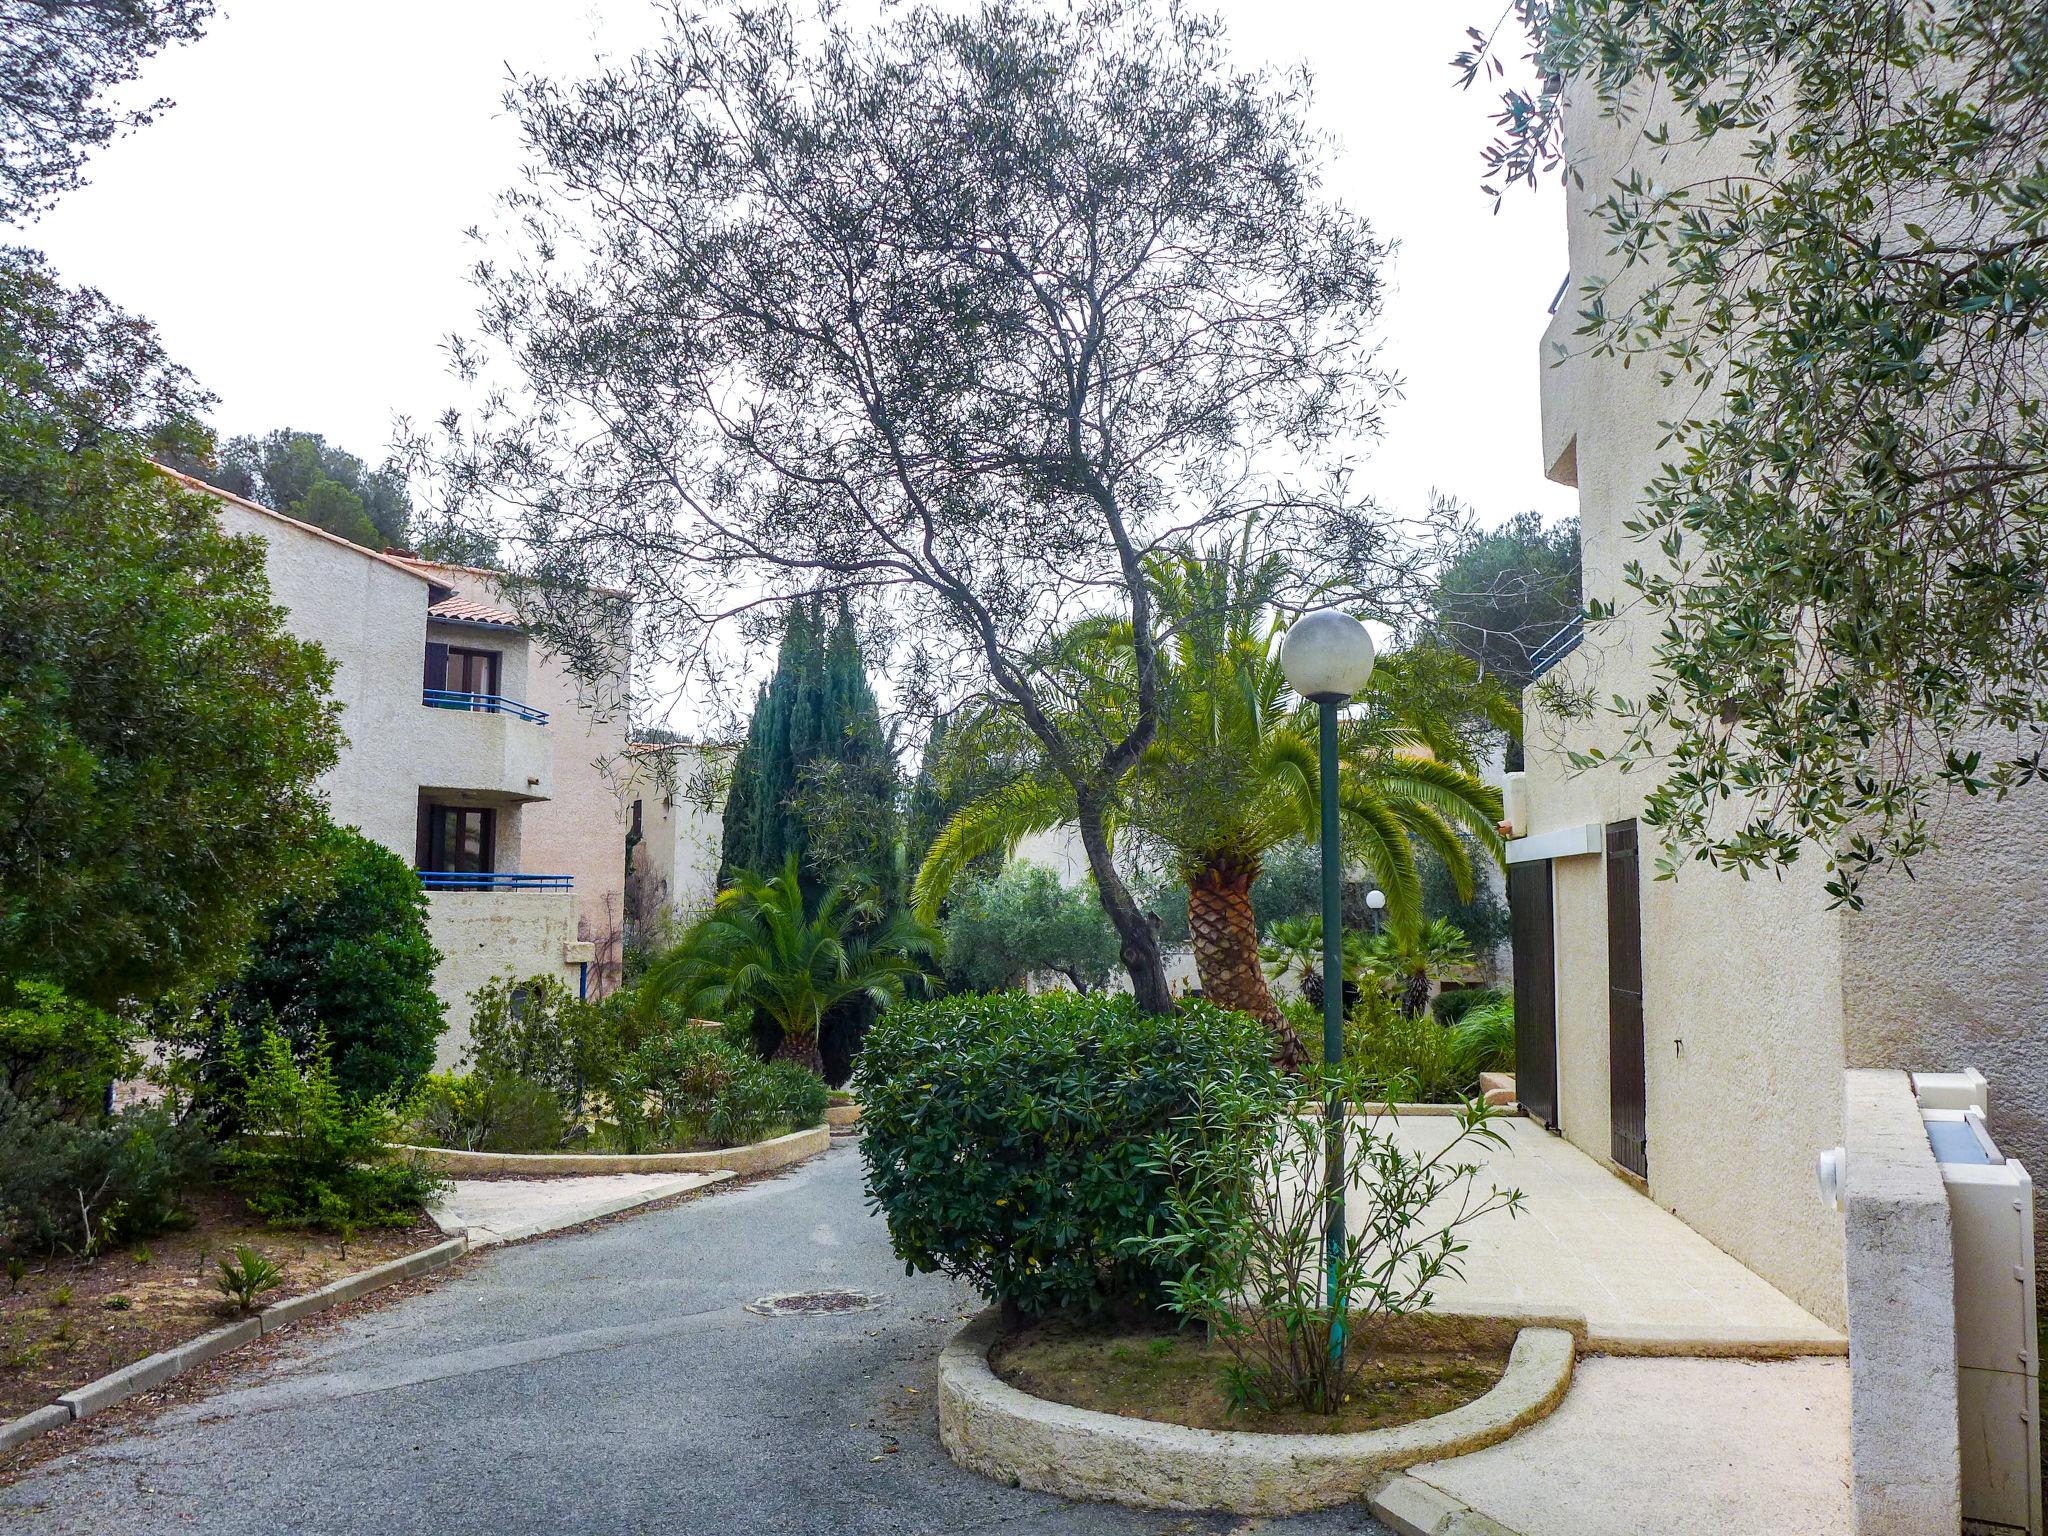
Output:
[[470, 752], [1693, 1033]]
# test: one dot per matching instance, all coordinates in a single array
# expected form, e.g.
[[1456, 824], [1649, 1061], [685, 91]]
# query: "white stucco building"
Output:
[[674, 793], [1703, 1025], [470, 752]]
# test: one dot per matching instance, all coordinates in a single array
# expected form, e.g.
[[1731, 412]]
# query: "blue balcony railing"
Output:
[[484, 703], [1558, 646], [491, 880]]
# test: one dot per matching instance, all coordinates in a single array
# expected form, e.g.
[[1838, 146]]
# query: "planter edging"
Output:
[[991, 1427], [168, 1364], [755, 1157]]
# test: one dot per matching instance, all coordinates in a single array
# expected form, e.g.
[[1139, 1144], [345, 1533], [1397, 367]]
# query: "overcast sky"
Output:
[[295, 226]]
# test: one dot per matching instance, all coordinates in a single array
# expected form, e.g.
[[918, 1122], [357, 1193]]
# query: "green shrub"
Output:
[[535, 1030], [1452, 1006], [55, 1049], [481, 1112], [80, 1187], [1484, 1039], [1009, 1138], [350, 960], [248, 1275], [693, 1088], [1406, 1059], [309, 1155]]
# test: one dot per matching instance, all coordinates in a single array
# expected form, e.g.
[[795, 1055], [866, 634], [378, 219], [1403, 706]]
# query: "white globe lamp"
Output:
[[1327, 656]]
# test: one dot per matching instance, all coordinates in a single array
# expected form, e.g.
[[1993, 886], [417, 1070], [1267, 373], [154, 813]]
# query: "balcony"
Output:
[[479, 743], [482, 703], [490, 880]]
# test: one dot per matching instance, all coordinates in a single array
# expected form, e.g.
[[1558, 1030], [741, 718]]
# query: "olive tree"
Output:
[[1848, 539], [963, 317]]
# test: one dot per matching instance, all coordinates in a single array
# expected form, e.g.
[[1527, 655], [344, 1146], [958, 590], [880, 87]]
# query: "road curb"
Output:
[[1410, 1507], [167, 1365], [755, 1157]]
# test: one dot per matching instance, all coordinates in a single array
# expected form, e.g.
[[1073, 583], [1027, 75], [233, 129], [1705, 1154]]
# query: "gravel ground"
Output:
[[605, 1381]]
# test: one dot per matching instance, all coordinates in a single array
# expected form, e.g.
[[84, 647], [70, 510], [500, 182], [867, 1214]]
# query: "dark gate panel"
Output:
[[1535, 990], [1627, 1098]]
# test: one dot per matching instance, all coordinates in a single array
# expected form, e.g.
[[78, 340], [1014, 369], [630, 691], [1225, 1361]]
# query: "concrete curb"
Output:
[[757, 1157], [1411, 1507], [166, 1365], [992, 1428], [484, 1237], [1706, 1342]]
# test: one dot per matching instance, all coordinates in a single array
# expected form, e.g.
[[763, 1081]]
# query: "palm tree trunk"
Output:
[[1225, 933], [801, 1049]]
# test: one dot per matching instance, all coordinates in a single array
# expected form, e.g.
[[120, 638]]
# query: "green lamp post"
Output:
[[1327, 658]]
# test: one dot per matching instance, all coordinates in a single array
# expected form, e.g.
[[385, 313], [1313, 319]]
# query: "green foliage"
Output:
[[246, 1276], [758, 953], [691, 1088], [1008, 1138], [1243, 1224], [1405, 1058], [1451, 1005], [1507, 591], [1025, 919], [1478, 912], [310, 1156], [1830, 243], [536, 1031], [83, 1185], [161, 732], [303, 475], [54, 1048], [484, 1112], [1484, 1039], [350, 958], [58, 67], [1296, 946]]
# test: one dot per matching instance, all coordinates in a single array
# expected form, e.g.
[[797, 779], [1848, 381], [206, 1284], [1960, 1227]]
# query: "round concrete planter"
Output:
[[992, 1428], [757, 1157]]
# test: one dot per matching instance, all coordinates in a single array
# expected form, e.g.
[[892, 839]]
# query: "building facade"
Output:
[[1693, 1033], [470, 752]]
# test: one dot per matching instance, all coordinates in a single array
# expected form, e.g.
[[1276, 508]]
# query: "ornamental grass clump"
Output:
[[1009, 1139], [1242, 1230]]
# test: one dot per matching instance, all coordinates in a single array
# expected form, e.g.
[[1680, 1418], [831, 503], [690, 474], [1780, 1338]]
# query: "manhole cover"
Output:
[[805, 1303]]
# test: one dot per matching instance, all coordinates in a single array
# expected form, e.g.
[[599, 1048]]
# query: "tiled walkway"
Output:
[[1585, 1242]]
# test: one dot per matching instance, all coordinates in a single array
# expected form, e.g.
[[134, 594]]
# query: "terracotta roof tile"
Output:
[[464, 610]]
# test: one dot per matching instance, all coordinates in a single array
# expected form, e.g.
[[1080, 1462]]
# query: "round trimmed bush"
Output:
[[1009, 1139]]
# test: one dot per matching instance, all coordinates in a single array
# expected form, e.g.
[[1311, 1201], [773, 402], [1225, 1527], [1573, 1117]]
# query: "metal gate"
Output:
[[1535, 990], [1627, 1099]]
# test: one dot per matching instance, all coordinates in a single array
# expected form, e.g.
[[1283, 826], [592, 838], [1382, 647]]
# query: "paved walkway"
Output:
[[504, 1210], [1587, 1242], [1675, 1447], [601, 1382]]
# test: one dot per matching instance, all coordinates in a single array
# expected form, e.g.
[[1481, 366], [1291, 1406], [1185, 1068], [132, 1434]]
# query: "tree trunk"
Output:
[[1137, 944], [801, 1049], [1225, 933]]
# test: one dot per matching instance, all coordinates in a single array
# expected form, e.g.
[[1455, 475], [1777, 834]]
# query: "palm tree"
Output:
[[759, 951], [1407, 960], [1296, 944], [1233, 772]]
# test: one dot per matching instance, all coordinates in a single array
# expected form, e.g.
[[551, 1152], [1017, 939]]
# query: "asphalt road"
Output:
[[608, 1381]]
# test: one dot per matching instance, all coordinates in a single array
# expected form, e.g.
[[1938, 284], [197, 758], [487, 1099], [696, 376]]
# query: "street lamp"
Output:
[[1377, 900], [1327, 658]]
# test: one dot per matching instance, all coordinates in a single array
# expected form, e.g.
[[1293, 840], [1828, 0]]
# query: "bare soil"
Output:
[[69, 1322], [1176, 1378]]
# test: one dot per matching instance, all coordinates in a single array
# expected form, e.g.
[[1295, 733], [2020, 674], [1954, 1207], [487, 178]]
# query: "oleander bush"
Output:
[[692, 1088], [1403, 1058], [485, 1112], [1009, 1138]]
